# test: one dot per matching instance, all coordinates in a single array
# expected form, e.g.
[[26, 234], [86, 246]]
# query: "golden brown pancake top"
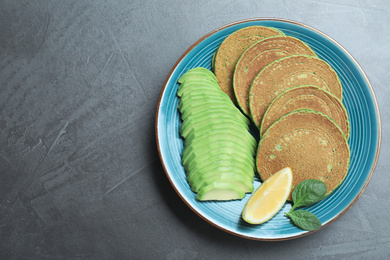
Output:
[[308, 142], [289, 72], [309, 97], [259, 55], [231, 50]]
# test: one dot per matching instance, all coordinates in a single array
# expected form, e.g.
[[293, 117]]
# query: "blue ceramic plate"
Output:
[[365, 139]]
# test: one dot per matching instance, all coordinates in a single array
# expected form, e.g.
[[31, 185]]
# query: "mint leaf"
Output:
[[305, 220], [308, 192]]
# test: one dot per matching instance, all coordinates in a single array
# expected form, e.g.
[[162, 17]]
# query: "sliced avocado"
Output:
[[191, 153], [191, 125], [228, 153], [241, 180], [198, 114], [220, 191], [198, 72], [211, 171], [219, 175], [212, 144], [197, 105], [198, 137], [198, 84], [197, 77], [190, 103], [210, 110], [229, 169], [201, 94], [191, 84], [218, 153], [237, 130], [206, 91], [212, 165]]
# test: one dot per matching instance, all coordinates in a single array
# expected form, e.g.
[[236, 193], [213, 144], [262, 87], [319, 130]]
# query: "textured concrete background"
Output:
[[80, 176]]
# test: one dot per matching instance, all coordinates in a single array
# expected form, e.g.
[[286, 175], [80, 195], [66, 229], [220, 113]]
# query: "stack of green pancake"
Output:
[[293, 97]]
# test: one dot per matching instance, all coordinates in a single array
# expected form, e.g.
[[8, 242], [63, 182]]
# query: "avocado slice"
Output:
[[193, 87], [190, 153], [211, 165], [237, 179], [202, 96], [197, 73], [220, 191], [244, 181], [219, 169], [203, 93], [198, 76], [190, 125], [193, 105], [197, 94], [189, 103], [227, 153], [188, 86], [217, 130], [211, 110], [211, 144]]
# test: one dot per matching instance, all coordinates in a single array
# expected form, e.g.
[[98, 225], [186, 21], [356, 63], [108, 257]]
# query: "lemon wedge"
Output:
[[268, 198]]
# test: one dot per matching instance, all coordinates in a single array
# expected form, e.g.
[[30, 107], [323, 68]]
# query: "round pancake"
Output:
[[306, 97], [231, 50], [289, 72], [259, 55], [308, 142]]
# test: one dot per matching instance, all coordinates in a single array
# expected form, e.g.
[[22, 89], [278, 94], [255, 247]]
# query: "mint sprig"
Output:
[[305, 194]]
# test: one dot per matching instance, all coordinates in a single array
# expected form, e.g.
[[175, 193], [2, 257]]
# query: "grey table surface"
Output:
[[80, 176]]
